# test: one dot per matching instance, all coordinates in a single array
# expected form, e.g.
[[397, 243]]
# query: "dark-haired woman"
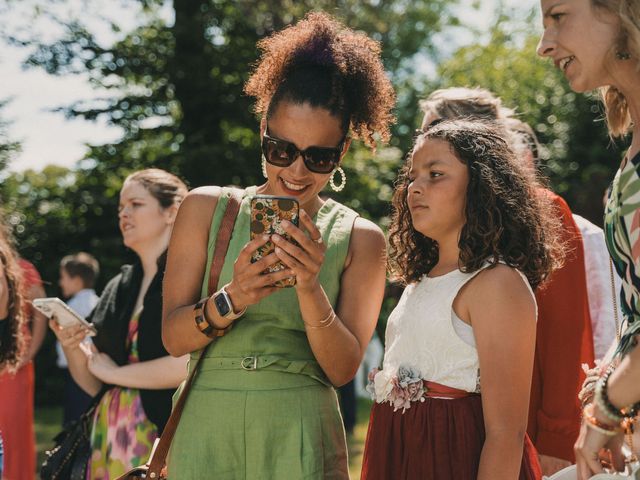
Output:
[[129, 360], [470, 238], [263, 405]]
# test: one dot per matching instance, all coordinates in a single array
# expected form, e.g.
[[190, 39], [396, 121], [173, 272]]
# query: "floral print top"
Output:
[[122, 436], [622, 232]]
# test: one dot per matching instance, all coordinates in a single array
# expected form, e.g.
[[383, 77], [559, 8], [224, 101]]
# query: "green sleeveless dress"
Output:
[[261, 407]]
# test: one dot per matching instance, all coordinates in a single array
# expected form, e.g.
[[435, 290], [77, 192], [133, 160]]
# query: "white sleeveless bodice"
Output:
[[421, 342]]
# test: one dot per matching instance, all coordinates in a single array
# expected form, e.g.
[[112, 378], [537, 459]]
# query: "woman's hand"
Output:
[[69, 337], [249, 285], [589, 450], [305, 260], [103, 367]]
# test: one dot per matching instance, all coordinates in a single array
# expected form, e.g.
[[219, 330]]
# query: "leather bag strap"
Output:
[[159, 456]]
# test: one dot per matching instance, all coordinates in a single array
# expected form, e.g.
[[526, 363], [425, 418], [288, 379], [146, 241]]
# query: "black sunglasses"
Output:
[[317, 159]]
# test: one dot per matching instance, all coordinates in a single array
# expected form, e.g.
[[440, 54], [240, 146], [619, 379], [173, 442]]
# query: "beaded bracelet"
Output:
[[604, 404], [595, 424]]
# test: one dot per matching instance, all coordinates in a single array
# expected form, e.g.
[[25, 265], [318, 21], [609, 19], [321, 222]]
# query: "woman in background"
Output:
[[129, 362]]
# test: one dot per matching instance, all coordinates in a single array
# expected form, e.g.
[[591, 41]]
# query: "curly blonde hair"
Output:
[[616, 106], [322, 62], [12, 342]]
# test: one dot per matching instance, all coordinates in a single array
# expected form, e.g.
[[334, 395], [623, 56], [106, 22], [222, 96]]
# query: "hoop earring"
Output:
[[623, 55], [264, 166], [343, 180]]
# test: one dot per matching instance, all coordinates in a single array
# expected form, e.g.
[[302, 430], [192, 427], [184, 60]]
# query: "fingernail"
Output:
[[265, 238], [286, 223], [276, 238]]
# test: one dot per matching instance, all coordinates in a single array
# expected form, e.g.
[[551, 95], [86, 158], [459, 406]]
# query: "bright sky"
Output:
[[48, 137]]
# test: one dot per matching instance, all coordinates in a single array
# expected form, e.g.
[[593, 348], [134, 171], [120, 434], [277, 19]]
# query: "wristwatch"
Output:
[[224, 307]]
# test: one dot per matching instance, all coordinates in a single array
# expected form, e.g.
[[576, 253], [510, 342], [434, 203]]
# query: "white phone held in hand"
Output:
[[55, 308]]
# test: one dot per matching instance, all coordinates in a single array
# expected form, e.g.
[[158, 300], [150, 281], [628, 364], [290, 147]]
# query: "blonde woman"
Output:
[[596, 44]]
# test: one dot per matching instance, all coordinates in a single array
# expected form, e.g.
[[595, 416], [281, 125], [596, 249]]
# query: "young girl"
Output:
[[470, 239]]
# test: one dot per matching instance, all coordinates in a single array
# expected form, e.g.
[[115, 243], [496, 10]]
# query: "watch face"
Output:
[[222, 305]]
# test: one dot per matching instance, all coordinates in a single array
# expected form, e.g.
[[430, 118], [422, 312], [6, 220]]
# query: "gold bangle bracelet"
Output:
[[325, 324]]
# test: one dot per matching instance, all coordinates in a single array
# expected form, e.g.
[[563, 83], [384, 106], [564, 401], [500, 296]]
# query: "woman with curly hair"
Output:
[[470, 239], [317, 84], [596, 44], [17, 277]]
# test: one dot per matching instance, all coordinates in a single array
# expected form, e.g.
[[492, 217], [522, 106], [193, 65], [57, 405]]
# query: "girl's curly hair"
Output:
[[507, 219], [322, 62], [12, 341]]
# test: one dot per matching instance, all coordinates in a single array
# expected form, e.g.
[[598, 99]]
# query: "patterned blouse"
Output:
[[622, 231]]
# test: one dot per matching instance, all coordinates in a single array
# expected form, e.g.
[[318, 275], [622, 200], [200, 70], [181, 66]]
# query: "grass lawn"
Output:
[[49, 419], [356, 441]]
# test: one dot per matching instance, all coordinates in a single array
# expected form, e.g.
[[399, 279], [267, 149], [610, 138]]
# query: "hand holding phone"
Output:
[[54, 308], [267, 214]]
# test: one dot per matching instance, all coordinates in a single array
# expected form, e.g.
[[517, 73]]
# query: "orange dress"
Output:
[[564, 342], [16, 406]]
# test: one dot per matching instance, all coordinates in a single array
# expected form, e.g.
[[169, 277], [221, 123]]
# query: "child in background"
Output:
[[78, 273]]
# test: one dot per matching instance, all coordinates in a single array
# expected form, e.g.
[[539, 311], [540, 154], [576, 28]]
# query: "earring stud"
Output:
[[623, 55]]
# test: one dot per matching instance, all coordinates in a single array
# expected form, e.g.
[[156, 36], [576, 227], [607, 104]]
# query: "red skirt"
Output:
[[16, 424], [438, 439]]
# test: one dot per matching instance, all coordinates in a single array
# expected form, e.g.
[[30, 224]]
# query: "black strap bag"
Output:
[[69, 458]]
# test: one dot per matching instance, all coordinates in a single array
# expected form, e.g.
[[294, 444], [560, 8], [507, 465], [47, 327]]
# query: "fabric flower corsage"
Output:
[[398, 390]]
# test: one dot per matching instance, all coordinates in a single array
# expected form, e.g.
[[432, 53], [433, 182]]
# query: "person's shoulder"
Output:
[[499, 280], [29, 273], [199, 203], [501, 289], [586, 227], [125, 272], [367, 232]]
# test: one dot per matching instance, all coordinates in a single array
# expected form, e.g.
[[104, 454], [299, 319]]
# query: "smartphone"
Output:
[[267, 214], [63, 314]]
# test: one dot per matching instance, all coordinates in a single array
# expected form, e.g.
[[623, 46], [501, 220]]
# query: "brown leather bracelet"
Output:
[[203, 323]]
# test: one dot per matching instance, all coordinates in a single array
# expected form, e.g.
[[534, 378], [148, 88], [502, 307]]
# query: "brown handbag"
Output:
[[155, 467]]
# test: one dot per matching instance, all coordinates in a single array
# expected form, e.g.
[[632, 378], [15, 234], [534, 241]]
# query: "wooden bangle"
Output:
[[203, 323]]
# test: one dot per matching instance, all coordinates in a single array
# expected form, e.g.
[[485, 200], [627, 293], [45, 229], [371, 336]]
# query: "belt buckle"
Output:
[[249, 363]]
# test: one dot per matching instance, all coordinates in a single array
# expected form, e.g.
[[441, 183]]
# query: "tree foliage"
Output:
[[577, 156], [8, 147], [177, 96]]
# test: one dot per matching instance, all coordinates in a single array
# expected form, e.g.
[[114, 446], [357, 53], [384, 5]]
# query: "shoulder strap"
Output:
[[159, 455]]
